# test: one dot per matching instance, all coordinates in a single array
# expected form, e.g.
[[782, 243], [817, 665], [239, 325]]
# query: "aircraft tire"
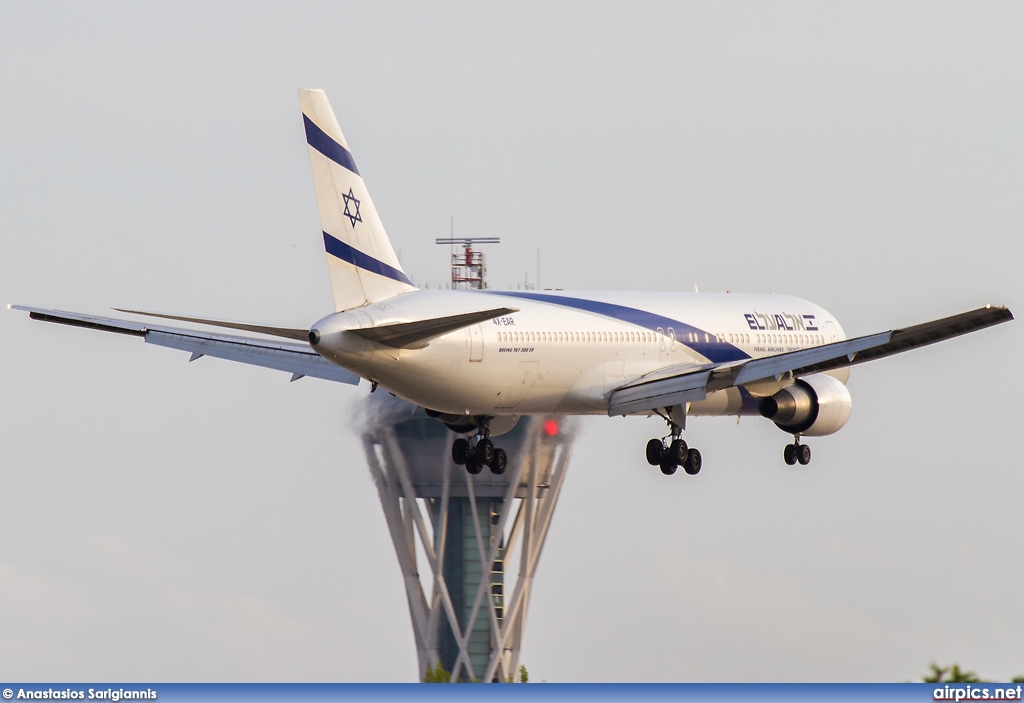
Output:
[[460, 451], [790, 454], [655, 450], [474, 467], [803, 454], [668, 467], [484, 452], [500, 462], [693, 462], [677, 451]]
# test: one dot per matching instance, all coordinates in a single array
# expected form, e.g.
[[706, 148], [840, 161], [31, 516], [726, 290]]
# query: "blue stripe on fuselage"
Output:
[[716, 352], [319, 140], [338, 248]]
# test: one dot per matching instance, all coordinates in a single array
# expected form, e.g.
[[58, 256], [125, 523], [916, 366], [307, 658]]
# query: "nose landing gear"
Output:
[[797, 452]]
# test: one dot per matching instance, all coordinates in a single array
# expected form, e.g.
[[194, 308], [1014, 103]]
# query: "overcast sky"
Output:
[[170, 521]]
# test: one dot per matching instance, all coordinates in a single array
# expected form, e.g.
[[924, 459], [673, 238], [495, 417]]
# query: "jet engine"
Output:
[[812, 406]]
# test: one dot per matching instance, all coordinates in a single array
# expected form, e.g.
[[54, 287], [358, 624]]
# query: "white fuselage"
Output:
[[565, 352]]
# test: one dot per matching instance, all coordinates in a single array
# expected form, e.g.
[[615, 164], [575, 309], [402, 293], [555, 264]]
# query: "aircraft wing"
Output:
[[694, 383], [297, 359]]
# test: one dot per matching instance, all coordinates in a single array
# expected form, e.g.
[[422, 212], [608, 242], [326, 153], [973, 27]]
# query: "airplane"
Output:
[[477, 360]]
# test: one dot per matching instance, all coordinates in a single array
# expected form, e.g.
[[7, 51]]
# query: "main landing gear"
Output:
[[475, 455], [797, 452], [671, 452]]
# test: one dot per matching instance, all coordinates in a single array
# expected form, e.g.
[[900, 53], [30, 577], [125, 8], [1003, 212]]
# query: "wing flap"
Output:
[[281, 357], [694, 385]]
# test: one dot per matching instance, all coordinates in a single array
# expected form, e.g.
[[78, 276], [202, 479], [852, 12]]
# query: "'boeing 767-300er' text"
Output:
[[478, 359]]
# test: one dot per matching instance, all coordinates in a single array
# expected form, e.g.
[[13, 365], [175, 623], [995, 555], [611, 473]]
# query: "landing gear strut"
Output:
[[475, 456], [797, 452], [671, 452]]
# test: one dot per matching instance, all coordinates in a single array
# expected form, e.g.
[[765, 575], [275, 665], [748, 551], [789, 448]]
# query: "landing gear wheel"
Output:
[[460, 451], [473, 466], [655, 450], [693, 462], [803, 454], [789, 454], [677, 452], [499, 462], [484, 452], [668, 467]]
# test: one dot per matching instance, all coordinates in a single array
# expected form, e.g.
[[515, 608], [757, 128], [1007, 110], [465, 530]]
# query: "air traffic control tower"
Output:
[[468, 546]]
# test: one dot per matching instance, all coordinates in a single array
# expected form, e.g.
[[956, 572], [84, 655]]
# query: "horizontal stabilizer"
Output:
[[694, 384], [415, 335]]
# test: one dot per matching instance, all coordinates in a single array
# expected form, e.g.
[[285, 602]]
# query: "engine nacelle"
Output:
[[813, 406]]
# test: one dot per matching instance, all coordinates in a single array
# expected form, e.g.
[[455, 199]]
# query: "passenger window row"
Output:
[[639, 337], [576, 337], [797, 339]]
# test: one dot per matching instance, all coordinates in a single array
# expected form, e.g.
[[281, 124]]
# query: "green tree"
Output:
[[436, 674], [949, 674]]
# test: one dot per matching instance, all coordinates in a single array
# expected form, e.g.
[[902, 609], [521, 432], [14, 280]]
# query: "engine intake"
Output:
[[813, 406]]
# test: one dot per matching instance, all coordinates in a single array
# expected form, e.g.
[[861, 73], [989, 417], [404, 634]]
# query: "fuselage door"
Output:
[[832, 336], [476, 343]]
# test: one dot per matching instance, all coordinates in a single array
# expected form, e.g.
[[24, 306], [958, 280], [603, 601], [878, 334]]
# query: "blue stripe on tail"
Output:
[[319, 140], [338, 248]]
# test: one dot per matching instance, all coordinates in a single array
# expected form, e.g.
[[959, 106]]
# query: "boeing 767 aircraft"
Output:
[[477, 360]]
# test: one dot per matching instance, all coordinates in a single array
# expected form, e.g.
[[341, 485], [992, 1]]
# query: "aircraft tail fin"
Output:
[[361, 262]]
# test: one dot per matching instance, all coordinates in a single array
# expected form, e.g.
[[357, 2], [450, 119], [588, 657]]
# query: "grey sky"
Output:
[[171, 521]]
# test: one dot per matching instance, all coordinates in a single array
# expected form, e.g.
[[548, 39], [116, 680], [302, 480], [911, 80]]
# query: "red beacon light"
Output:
[[551, 427]]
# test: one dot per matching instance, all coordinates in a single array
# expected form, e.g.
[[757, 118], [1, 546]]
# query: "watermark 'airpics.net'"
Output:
[[977, 693]]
